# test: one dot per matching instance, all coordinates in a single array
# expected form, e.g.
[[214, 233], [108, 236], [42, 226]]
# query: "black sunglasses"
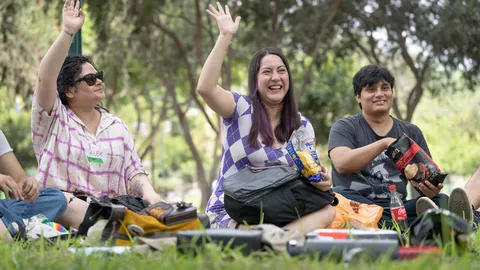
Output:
[[91, 78]]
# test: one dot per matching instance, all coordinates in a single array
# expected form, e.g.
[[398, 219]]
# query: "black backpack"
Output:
[[280, 194]]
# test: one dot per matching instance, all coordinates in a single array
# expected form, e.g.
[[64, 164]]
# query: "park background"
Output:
[[152, 53]]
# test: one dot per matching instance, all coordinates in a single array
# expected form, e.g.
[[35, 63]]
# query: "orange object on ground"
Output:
[[358, 215]]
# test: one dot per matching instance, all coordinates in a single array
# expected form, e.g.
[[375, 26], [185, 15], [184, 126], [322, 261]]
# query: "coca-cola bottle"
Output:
[[397, 209]]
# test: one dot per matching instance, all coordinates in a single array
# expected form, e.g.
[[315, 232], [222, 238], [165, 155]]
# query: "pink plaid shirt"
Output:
[[71, 158]]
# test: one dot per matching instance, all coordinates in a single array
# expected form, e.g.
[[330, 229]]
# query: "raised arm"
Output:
[[46, 88], [217, 98]]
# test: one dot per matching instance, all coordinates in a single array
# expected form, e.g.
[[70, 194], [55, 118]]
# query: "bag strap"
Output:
[[258, 169], [94, 210], [97, 208], [114, 223]]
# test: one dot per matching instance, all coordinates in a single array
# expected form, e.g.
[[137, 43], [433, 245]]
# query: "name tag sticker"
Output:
[[96, 156]]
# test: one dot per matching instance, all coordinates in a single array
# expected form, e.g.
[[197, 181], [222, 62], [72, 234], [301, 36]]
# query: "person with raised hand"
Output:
[[258, 126], [79, 145]]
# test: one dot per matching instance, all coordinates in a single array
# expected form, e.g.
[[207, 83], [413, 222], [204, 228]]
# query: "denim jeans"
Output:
[[51, 202], [441, 200]]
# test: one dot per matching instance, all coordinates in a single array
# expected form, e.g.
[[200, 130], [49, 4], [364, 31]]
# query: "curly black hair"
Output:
[[70, 71]]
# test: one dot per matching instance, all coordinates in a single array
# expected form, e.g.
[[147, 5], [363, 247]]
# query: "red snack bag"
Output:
[[414, 164]]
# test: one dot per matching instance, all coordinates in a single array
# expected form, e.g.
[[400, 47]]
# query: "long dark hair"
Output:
[[70, 71], [289, 120]]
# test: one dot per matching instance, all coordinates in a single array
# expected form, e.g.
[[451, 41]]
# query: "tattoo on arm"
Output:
[[137, 189]]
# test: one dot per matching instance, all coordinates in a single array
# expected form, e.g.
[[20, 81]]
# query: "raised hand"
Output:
[[226, 25], [73, 16]]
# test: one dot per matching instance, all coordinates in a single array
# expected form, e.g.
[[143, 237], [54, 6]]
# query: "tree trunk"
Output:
[[198, 32], [200, 171], [319, 37]]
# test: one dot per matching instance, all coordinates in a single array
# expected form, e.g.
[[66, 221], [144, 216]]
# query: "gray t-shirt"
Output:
[[373, 180], [4, 146]]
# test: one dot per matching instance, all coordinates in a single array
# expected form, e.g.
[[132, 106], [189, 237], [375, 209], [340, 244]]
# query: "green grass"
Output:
[[41, 255]]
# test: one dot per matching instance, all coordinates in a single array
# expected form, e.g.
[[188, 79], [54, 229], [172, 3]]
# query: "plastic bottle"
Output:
[[397, 209]]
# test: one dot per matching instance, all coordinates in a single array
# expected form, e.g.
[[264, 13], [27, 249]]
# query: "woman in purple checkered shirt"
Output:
[[260, 140]]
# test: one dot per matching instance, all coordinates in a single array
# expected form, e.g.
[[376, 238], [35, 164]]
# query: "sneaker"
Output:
[[423, 204], [459, 204], [39, 225]]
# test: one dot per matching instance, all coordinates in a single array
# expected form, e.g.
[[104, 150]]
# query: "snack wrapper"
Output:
[[413, 163], [302, 150], [358, 215]]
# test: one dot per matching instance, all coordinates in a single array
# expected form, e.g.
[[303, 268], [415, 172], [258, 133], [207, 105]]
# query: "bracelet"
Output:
[[68, 33]]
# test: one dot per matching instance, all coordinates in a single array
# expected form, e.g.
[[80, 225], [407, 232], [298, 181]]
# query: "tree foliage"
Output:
[[152, 52], [419, 36]]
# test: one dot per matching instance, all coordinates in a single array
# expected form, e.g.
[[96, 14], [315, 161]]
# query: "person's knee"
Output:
[[53, 193], [4, 234], [330, 213], [56, 196]]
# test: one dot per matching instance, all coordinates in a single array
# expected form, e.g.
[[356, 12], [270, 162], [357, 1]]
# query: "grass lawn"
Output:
[[40, 255]]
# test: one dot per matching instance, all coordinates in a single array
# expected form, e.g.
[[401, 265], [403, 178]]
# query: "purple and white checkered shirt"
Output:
[[236, 153], [71, 158]]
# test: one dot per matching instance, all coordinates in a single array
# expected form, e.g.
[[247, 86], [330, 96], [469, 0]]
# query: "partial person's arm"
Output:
[[472, 188], [13, 176], [45, 90], [217, 98], [140, 186], [27, 185], [137, 181], [9, 165], [347, 160], [343, 151]]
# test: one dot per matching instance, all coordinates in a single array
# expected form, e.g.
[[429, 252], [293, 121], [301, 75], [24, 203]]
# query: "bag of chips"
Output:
[[355, 214], [302, 150], [414, 163]]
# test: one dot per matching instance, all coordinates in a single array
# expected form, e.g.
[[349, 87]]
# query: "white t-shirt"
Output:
[[4, 146]]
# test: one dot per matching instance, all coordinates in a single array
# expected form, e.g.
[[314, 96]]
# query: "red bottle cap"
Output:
[[392, 187]]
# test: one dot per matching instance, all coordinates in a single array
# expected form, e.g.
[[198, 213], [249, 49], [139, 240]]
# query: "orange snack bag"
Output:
[[359, 215]]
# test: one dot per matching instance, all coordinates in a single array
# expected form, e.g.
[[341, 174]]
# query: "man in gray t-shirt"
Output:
[[361, 170], [22, 196]]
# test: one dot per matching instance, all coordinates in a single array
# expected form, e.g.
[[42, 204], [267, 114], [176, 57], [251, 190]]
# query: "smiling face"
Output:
[[376, 99], [84, 94], [272, 80]]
